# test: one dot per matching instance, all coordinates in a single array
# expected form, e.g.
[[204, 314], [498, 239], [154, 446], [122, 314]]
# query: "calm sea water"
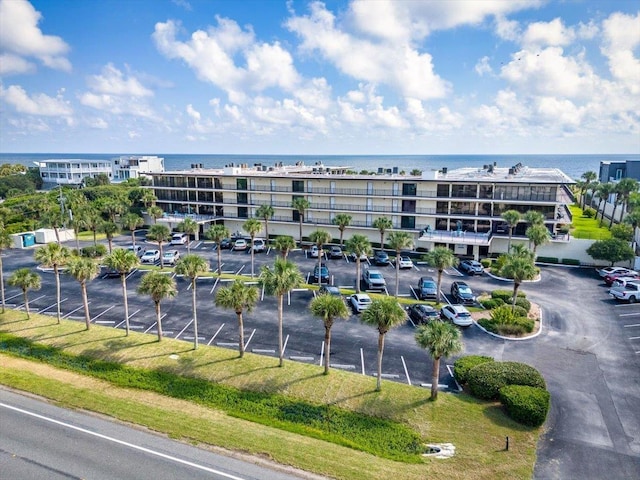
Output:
[[572, 165]]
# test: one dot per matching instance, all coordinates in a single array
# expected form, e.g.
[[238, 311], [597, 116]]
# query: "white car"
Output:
[[150, 256], [457, 314], [630, 292], [259, 245], [360, 302], [137, 249], [240, 244], [622, 281], [313, 251], [363, 257], [179, 239], [603, 272], [170, 257], [404, 262]]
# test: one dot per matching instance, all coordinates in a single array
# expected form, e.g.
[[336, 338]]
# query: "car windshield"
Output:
[[464, 289], [428, 284], [463, 314], [364, 300], [375, 275]]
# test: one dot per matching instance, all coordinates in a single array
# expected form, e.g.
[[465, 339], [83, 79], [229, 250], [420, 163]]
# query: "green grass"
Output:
[[585, 227], [194, 413]]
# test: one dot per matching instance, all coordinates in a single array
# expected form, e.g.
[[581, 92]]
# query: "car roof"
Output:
[[459, 309], [360, 296], [460, 283], [427, 279]]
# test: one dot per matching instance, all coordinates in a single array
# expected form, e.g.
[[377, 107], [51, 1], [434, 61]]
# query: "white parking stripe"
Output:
[[406, 372], [215, 334], [249, 341], [362, 361], [633, 325], [185, 327], [636, 314], [102, 313], [51, 306], [74, 311]]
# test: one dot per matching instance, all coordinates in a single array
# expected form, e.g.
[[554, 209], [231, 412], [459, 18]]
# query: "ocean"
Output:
[[573, 165]]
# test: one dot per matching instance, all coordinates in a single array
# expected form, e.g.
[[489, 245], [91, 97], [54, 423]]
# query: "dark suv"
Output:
[[427, 288], [322, 272], [462, 293]]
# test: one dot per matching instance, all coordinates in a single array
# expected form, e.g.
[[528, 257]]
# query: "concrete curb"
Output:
[[534, 335], [502, 279]]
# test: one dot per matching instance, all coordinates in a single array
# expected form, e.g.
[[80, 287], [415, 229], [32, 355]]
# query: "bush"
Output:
[[623, 231], [519, 311], [92, 251], [526, 405], [463, 365], [486, 262], [547, 259], [486, 380], [589, 212], [506, 295], [570, 261], [523, 303], [491, 303]]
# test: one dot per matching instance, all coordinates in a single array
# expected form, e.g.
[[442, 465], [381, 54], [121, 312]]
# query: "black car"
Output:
[[462, 293], [321, 272], [381, 258], [329, 290], [427, 288], [226, 244], [421, 313]]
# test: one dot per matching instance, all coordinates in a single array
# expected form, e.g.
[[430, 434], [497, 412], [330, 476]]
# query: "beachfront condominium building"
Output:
[[459, 208], [74, 171]]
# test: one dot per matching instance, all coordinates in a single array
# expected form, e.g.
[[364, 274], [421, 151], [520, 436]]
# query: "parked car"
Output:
[[381, 258], [462, 293], [622, 281], [170, 257], [373, 279], [321, 272], [335, 252], [630, 292], [240, 244], [603, 272], [137, 249], [457, 314], [363, 257], [404, 262], [329, 290], [226, 244], [427, 288], [360, 302], [150, 256], [314, 251], [609, 278], [420, 313], [471, 267], [259, 245], [111, 272], [179, 239]]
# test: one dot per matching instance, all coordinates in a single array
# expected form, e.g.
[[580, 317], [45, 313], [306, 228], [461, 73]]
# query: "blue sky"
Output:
[[333, 77]]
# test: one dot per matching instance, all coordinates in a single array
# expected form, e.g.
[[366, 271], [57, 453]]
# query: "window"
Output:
[[241, 183], [408, 222], [409, 206], [297, 185], [242, 197], [442, 207], [618, 173], [243, 212], [464, 191], [409, 189], [443, 190]]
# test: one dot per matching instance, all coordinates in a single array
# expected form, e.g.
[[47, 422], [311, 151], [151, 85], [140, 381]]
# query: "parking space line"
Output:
[[215, 284], [240, 269], [31, 301], [263, 350], [284, 346], [73, 311], [215, 334], [633, 325], [249, 341], [152, 325], [52, 305], [634, 338], [386, 375], [406, 372], [302, 359], [342, 366], [185, 327], [13, 296], [635, 314], [196, 245], [414, 292], [321, 353], [102, 313], [450, 370], [362, 360]]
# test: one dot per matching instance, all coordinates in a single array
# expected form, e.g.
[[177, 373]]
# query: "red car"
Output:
[[610, 278]]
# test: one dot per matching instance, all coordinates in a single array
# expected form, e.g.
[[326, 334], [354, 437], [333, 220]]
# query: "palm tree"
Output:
[[358, 245], [77, 204], [192, 266], [26, 280], [399, 241], [342, 220], [518, 268], [328, 308], [384, 314], [382, 224], [320, 238], [5, 243], [123, 261], [110, 229], [161, 234], [51, 216], [155, 212], [158, 286], [148, 198], [83, 270], [190, 227], [114, 206], [603, 192], [441, 258], [441, 339], [284, 277], [538, 235], [265, 212], [93, 220], [533, 217], [301, 205], [217, 233], [131, 222], [625, 187], [284, 244], [53, 255], [588, 179], [252, 227], [633, 219], [511, 217], [238, 297]]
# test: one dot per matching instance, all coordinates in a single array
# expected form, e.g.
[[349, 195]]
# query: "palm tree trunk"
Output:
[[110, 241], [439, 284], [300, 226], [133, 237], [85, 301], [241, 332], [161, 262], [56, 272], [435, 378], [510, 235], [26, 302], [95, 237], [252, 256], [601, 213], [381, 240], [219, 260], [55, 230], [515, 295], [327, 344], [358, 274], [341, 236], [397, 271], [159, 321], [266, 231], [123, 278], [77, 233], [613, 214], [2, 282], [195, 314], [380, 350], [280, 346], [319, 264]]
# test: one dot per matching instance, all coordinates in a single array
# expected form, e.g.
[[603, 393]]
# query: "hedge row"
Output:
[[556, 260], [506, 295], [527, 405], [463, 365], [486, 380]]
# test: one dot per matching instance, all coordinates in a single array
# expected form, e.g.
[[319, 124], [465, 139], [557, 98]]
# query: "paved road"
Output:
[[39, 441]]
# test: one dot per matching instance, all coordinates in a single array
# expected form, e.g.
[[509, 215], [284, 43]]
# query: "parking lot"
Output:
[[588, 352]]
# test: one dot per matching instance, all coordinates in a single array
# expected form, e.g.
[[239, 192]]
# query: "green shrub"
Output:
[[623, 231], [519, 311], [488, 325], [486, 380], [526, 405], [547, 259], [491, 303], [502, 314], [524, 303], [92, 251], [506, 295], [463, 365], [570, 261], [512, 329], [486, 262], [589, 212]]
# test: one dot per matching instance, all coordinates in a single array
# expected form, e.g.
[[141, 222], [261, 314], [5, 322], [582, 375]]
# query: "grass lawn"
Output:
[[584, 227], [476, 428]]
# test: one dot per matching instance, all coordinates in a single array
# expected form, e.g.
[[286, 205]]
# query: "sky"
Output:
[[359, 77]]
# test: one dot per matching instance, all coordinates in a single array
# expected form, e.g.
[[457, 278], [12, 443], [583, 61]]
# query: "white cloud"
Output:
[[483, 66], [11, 64], [543, 34], [98, 123], [116, 105], [113, 82], [37, 104], [621, 40], [20, 36], [192, 112]]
